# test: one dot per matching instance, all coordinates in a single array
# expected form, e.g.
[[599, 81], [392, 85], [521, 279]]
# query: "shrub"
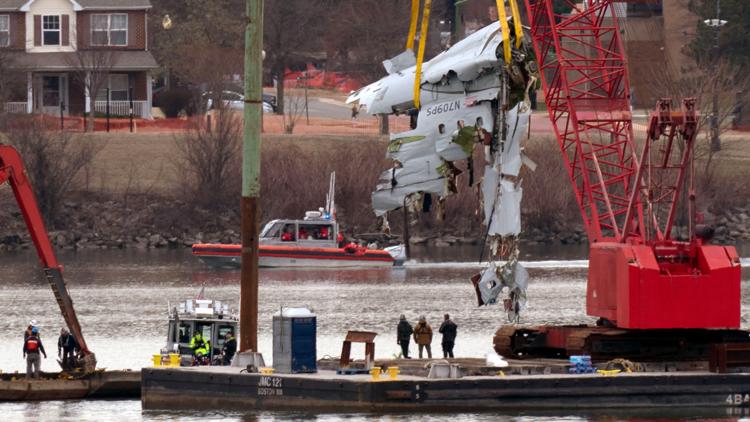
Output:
[[53, 160], [174, 101], [208, 162]]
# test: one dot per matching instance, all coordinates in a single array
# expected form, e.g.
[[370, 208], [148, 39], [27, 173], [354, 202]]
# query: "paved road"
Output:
[[325, 107]]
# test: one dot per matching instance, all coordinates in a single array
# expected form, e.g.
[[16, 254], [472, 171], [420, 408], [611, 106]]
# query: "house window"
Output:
[[51, 30], [645, 10], [118, 87], [4, 30], [109, 29]]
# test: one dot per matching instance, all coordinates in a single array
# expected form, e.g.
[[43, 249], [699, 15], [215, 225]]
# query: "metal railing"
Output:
[[122, 108], [15, 107]]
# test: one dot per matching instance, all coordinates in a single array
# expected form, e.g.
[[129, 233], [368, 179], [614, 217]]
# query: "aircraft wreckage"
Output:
[[473, 95]]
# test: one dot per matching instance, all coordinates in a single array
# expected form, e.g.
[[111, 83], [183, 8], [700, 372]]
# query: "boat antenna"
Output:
[[331, 199]]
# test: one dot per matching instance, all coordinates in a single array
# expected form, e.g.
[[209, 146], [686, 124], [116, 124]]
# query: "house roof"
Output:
[[11, 5], [114, 4], [23, 5], [62, 61]]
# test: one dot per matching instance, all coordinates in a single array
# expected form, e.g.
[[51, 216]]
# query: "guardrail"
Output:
[[15, 107], [122, 108]]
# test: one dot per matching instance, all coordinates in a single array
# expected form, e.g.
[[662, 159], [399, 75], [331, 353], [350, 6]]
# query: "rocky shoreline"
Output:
[[151, 224]]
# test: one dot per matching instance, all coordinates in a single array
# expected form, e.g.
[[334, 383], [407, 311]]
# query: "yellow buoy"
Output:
[[157, 360], [393, 372]]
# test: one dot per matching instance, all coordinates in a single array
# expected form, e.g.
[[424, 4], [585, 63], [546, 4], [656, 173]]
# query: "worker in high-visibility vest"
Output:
[[199, 345], [32, 346]]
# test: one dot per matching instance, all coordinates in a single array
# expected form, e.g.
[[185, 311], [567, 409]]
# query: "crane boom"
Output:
[[640, 275], [12, 171]]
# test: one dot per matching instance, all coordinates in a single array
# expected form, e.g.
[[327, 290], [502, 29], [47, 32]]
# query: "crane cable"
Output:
[[420, 53]]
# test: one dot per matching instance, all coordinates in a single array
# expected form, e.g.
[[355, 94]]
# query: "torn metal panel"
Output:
[[398, 63], [389, 199], [506, 218], [510, 157]]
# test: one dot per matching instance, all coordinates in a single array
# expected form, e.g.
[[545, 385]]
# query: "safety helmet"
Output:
[[33, 323]]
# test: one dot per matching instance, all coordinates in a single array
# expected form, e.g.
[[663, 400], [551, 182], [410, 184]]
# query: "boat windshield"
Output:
[[315, 232], [185, 333], [272, 230]]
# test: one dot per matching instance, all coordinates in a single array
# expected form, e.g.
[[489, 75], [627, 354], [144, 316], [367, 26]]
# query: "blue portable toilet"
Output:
[[294, 344]]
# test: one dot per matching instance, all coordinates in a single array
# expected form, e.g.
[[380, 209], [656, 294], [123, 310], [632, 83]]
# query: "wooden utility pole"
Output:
[[250, 206]]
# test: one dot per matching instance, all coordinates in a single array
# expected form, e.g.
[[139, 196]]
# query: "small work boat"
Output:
[[211, 318], [314, 241]]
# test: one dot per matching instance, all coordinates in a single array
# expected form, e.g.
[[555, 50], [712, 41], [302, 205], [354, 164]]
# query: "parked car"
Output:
[[270, 99], [236, 101]]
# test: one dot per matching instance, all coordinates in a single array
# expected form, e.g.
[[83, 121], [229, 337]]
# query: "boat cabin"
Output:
[[314, 231], [211, 318]]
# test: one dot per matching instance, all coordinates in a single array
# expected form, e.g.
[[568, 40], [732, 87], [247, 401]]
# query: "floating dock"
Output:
[[233, 388], [97, 385]]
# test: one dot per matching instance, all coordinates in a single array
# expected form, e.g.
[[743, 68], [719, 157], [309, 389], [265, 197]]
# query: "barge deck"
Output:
[[97, 385], [229, 388]]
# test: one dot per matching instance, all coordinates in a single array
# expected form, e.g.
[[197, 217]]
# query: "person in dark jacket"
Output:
[[68, 345], [229, 349], [32, 346], [403, 335], [448, 329]]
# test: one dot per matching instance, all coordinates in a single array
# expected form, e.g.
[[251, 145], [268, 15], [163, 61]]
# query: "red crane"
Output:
[[639, 275], [12, 171]]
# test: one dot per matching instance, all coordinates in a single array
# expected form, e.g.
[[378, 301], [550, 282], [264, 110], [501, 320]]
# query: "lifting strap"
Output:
[[420, 54], [502, 17], [413, 24], [516, 22]]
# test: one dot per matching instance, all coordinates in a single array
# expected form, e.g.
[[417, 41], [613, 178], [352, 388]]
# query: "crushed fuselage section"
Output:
[[469, 99]]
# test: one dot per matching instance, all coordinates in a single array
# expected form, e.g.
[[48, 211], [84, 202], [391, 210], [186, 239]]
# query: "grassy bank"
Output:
[[135, 192]]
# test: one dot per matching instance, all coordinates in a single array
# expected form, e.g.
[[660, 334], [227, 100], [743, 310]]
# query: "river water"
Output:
[[122, 298]]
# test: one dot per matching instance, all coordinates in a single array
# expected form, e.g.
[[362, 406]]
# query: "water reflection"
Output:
[[101, 410], [122, 298]]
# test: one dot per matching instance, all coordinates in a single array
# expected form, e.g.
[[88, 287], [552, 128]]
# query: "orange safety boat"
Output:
[[314, 241], [300, 243]]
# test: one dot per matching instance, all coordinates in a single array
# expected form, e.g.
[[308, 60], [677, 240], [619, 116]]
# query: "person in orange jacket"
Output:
[[32, 346], [287, 236]]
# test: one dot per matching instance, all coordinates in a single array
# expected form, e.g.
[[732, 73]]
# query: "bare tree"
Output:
[[294, 109], [723, 79], [292, 31], [53, 160], [91, 70], [363, 33], [208, 160], [10, 82]]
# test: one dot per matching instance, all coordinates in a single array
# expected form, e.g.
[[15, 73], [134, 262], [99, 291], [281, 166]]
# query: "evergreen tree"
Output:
[[733, 37]]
